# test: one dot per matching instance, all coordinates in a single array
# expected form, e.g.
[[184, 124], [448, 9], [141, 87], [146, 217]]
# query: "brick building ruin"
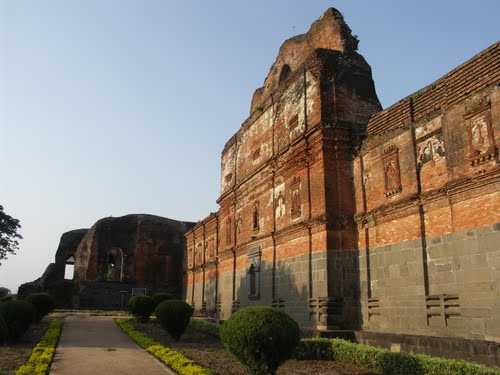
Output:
[[116, 257], [350, 217]]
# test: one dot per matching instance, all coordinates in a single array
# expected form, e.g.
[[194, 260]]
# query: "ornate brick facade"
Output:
[[350, 217]]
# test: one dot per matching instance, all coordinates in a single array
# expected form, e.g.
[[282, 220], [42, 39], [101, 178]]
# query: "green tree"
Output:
[[8, 235]]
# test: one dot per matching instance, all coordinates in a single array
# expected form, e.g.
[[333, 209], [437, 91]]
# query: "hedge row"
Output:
[[385, 362], [173, 359], [42, 355], [372, 358], [201, 325]]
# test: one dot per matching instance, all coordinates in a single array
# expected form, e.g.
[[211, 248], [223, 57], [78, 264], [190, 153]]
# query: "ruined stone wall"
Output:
[[427, 183], [138, 250]]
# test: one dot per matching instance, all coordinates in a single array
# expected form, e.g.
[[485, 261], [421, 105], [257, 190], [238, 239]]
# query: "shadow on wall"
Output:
[[289, 291], [340, 309], [344, 303]]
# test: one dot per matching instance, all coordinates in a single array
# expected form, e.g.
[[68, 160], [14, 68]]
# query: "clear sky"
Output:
[[116, 107]]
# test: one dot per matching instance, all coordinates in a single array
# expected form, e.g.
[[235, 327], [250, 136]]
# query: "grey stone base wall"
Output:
[[463, 286], [289, 288]]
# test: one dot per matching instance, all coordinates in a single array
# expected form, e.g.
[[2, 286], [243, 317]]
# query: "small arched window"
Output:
[[285, 73]]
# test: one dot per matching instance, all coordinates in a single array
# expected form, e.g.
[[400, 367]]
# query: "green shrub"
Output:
[[42, 355], [141, 307], [18, 316], [383, 361], [3, 330], [160, 297], [173, 359], [201, 325], [43, 302], [174, 317], [261, 337]]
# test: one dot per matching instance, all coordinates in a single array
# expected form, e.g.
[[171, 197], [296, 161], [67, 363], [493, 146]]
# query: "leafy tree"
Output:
[[8, 235]]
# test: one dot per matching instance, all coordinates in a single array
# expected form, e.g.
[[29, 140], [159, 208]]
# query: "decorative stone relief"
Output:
[[431, 149], [392, 173], [296, 208], [280, 205], [480, 133]]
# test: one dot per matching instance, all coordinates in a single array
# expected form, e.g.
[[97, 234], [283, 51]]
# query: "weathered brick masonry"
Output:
[[349, 217]]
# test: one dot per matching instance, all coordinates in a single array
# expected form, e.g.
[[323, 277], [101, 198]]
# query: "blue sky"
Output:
[[116, 107]]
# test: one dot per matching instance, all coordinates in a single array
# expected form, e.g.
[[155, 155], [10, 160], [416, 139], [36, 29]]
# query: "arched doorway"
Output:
[[114, 265]]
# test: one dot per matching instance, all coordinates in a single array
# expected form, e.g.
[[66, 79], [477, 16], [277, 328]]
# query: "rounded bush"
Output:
[[261, 337], [141, 307], [160, 297], [43, 302], [174, 317], [18, 316], [3, 330]]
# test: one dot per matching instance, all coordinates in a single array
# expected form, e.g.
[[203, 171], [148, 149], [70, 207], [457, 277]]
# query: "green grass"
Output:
[[175, 360], [43, 353]]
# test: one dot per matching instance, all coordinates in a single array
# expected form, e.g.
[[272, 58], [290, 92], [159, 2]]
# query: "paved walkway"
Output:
[[95, 345]]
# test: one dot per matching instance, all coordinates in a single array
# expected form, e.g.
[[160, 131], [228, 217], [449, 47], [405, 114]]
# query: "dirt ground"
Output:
[[209, 352], [14, 355]]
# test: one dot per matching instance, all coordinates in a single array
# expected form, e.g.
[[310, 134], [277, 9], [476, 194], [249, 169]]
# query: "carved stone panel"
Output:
[[430, 149], [296, 201], [480, 135], [392, 173]]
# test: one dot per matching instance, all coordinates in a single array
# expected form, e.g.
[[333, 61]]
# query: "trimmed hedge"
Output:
[[175, 360], [43, 302], [261, 337], [42, 355], [4, 331], [201, 325], [383, 361], [18, 316], [160, 297], [141, 307], [174, 317]]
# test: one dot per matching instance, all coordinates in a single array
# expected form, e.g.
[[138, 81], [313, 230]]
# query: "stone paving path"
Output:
[[92, 345]]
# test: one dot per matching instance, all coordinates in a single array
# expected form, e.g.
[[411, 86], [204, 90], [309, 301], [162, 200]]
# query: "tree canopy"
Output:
[[9, 235]]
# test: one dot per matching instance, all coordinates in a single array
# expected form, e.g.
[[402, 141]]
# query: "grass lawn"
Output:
[[14, 355], [207, 351]]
